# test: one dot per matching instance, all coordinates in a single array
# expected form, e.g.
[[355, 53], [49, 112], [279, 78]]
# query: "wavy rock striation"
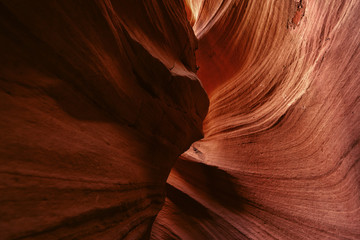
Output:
[[96, 105], [99, 98], [280, 156]]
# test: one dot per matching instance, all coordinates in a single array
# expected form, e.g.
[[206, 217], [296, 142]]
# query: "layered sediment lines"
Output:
[[280, 156], [99, 98], [96, 104]]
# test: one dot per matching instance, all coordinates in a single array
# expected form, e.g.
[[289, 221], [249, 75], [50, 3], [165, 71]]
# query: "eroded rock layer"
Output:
[[97, 100], [280, 157]]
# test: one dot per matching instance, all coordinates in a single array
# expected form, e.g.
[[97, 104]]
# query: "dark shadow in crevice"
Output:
[[188, 205], [218, 185]]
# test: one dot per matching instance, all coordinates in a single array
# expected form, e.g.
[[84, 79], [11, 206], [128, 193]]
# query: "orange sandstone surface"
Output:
[[182, 119], [280, 156], [96, 105]]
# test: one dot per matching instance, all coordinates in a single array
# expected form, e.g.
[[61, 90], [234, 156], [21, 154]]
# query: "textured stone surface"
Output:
[[280, 157], [98, 99], [92, 115]]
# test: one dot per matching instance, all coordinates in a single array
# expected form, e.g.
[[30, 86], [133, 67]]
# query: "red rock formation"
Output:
[[98, 99], [96, 105], [280, 157]]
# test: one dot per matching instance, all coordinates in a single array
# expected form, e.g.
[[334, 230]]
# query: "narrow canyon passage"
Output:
[[280, 156], [183, 119]]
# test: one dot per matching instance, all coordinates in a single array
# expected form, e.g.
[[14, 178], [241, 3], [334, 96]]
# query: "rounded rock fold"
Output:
[[92, 116], [280, 156]]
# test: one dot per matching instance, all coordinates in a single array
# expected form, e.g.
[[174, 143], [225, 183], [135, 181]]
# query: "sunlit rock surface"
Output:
[[99, 98], [280, 157], [96, 104]]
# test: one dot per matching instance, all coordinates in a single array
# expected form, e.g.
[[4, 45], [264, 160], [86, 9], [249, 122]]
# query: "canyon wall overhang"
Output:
[[280, 156], [97, 101], [101, 99]]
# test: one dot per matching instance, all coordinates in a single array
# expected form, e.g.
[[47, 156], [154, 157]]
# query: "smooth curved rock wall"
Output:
[[280, 157], [92, 118]]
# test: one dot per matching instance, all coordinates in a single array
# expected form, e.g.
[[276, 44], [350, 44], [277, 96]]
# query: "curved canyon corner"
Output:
[[184, 119]]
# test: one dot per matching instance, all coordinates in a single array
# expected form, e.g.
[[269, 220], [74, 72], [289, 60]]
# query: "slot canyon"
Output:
[[179, 119]]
